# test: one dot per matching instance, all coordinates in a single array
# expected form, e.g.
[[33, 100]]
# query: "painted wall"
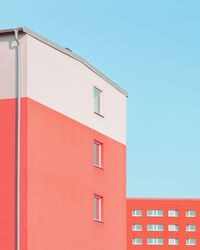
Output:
[[165, 204], [7, 174], [8, 114], [8, 88], [62, 182], [58, 129], [66, 85]]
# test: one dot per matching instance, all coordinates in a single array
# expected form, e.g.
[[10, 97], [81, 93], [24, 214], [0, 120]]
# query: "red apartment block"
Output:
[[72, 149], [166, 224]]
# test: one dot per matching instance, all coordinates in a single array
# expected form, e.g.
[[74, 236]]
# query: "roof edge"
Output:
[[67, 52]]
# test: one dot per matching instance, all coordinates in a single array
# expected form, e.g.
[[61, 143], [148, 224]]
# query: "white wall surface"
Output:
[[8, 88], [66, 85], [62, 83]]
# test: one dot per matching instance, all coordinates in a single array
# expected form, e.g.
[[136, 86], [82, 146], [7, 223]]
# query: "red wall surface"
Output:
[[7, 174], [58, 182], [164, 204], [62, 182]]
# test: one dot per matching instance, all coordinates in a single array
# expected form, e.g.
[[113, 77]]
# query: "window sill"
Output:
[[99, 114], [99, 167], [100, 221]]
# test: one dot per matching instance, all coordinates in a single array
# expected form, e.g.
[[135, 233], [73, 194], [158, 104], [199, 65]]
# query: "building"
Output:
[[163, 224], [69, 142]]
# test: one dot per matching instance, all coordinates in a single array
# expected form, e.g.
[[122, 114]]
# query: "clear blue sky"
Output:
[[152, 49]]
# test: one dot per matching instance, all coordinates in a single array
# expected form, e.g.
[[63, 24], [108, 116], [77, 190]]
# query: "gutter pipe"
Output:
[[18, 79]]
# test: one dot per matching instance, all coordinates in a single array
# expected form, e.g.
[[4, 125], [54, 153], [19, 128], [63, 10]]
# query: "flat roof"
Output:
[[67, 52]]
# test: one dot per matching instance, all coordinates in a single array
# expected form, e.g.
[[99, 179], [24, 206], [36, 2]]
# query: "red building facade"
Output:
[[163, 224], [72, 150]]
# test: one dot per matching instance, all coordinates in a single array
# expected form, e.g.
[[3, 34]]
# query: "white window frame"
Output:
[[188, 213], [155, 241], [135, 212], [137, 227], [173, 241], [100, 94], [188, 242], [188, 228], [99, 217], [172, 213], [174, 228], [99, 154], [155, 227], [155, 213], [135, 241]]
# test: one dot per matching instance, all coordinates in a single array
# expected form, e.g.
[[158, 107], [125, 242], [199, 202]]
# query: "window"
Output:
[[137, 241], [155, 241], [173, 241], [154, 212], [97, 208], [172, 213], [137, 227], [136, 212], [191, 228], [154, 227], [172, 227], [190, 213], [97, 101], [97, 154], [190, 241]]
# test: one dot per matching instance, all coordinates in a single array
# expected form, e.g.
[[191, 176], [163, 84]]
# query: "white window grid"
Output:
[[157, 213], [190, 213], [98, 106], [97, 217], [172, 213], [190, 228], [172, 241], [172, 227], [190, 242], [137, 241], [137, 227], [137, 212], [154, 227], [99, 145], [155, 241]]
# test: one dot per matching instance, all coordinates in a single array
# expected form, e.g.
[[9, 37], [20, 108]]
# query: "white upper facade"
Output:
[[62, 83]]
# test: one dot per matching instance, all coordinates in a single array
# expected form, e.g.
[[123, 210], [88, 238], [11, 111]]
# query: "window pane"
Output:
[[155, 241], [136, 212], [137, 241], [149, 212], [172, 227], [173, 241], [191, 242], [137, 227], [97, 154], [172, 213], [154, 227], [149, 241], [97, 208], [97, 100], [190, 213], [150, 227], [154, 212]]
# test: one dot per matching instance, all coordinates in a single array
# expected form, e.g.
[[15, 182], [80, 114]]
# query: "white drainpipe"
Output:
[[18, 137]]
